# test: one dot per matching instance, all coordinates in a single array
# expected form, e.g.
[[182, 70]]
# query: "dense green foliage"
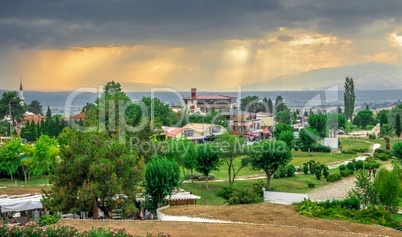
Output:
[[364, 118], [93, 167], [269, 156], [32, 230], [207, 159], [318, 122], [349, 98], [161, 176], [371, 215], [308, 138]]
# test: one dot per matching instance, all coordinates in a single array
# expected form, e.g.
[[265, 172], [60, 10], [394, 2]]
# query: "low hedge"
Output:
[[346, 173], [31, 229], [198, 177], [334, 177]]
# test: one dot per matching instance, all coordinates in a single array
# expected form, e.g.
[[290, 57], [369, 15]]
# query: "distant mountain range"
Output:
[[368, 76]]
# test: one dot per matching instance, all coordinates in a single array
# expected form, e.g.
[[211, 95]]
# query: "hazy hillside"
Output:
[[366, 77]]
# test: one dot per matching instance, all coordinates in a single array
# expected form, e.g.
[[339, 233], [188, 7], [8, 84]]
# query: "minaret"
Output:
[[21, 93]]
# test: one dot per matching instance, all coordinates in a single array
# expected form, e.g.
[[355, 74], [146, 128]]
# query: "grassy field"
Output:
[[296, 184]]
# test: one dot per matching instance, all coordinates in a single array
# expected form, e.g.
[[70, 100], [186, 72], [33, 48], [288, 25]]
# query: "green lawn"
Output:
[[296, 184], [301, 157], [351, 143], [33, 181]]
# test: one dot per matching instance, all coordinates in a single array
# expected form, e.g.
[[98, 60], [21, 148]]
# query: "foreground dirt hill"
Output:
[[264, 220]]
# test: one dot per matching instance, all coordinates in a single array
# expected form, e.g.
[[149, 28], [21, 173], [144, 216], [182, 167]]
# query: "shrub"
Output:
[[48, 219], [397, 150], [318, 173], [198, 177], [350, 166], [334, 177], [33, 230], [355, 151], [342, 167], [224, 192], [346, 173], [296, 148], [371, 164], [321, 148], [340, 210], [311, 185], [349, 203], [243, 196], [325, 173], [276, 175], [372, 136], [282, 172], [290, 170], [383, 156], [305, 168], [359, 164]]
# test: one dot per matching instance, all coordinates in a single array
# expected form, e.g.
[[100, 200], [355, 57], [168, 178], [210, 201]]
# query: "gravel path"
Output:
[[337, 190]]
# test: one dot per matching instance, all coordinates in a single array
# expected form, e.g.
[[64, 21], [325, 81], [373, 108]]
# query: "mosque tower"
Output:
[[21, 94]]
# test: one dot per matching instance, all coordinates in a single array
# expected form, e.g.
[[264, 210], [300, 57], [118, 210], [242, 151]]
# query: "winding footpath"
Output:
[[337, 190]]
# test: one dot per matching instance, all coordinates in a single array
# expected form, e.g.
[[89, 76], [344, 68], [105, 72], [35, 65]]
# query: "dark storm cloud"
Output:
[[71, 22]]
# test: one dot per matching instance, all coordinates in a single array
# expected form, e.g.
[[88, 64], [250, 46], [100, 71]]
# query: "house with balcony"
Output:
[[205, 103]]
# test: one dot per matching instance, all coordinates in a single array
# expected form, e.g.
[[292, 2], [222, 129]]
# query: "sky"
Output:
[[208, 44]]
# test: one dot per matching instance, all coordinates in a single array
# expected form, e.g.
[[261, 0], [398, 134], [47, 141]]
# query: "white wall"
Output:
[[284, 198]]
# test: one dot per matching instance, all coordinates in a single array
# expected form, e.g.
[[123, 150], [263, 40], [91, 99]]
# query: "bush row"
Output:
[[287, 171], [354, 151], [371, 215], [32, 230], [198, 177]]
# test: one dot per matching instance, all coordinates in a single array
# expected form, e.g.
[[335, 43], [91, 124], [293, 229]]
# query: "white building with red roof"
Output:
[[204, 103]]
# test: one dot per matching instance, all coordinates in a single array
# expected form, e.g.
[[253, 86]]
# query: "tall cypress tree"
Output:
[[270, 106], [349, 98], [398, 125]]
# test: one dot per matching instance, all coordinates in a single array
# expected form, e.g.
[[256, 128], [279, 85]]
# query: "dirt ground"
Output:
[[263, 220]]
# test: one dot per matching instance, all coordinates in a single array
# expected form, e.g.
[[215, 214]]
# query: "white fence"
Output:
[[284, 198]]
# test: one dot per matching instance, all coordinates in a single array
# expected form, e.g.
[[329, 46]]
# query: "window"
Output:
[[187, 133], [215, 129]]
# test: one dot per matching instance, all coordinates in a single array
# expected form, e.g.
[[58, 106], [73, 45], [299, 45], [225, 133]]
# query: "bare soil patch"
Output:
[[264, 220]]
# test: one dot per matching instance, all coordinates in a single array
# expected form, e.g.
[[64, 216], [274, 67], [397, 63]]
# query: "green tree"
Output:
[[10, 100], [251, 104], [269, 156], [397, 150], [207, 159], [308, 138], [364, 190], [283, 116], [45, 156], [26, 161], [398, 128], [349, 98], [94, 167], [10, 156], [161, 176], [387, 186], [280, 104], [363, 118], [383, 117], [288, 137], [281, 127], [270, 106], [35, 107], [232, 147], [318, 122], [48, 113], [336, 121], [182, 151], [387, 132]]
